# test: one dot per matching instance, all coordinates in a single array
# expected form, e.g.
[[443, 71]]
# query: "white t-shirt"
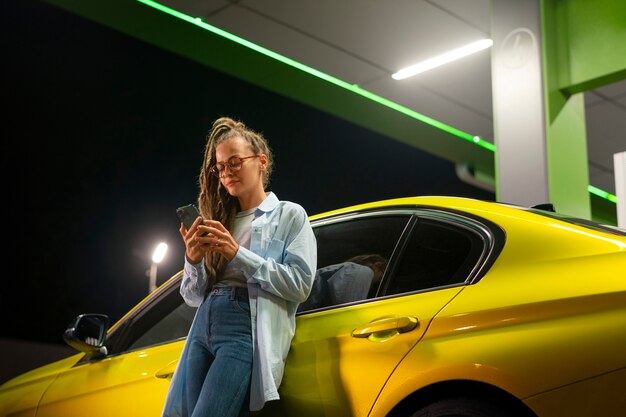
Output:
[[241, 233]]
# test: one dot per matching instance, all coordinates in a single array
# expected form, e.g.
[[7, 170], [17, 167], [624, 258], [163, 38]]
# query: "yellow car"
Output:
[[471, 308]]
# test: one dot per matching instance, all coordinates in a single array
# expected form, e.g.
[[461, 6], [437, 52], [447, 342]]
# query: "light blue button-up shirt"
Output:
[[279, 268]]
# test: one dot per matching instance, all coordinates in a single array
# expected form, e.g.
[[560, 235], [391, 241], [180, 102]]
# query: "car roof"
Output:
[[477, 207], [439, 201]]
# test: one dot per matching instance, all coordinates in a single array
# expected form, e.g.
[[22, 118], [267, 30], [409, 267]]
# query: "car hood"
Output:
[[42, 372]]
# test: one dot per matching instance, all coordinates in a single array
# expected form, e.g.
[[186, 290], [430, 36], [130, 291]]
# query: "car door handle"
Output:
[[399, 324], [167, 371]]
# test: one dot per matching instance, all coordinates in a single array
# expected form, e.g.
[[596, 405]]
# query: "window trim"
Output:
[[492, 235]]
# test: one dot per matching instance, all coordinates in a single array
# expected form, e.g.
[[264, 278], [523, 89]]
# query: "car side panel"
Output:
[[600, 396], [528, 330], [331, 373]]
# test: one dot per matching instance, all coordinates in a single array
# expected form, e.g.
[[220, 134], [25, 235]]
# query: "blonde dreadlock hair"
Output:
[[214, 201]]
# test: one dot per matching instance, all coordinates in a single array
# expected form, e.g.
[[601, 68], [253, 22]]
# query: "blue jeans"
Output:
[[219, 362]]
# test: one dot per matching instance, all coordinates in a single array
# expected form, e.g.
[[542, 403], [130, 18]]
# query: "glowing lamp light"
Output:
[[442, 59], [157, 257], [159, 252]]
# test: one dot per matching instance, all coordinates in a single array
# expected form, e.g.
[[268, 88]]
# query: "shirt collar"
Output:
[[269, 204]]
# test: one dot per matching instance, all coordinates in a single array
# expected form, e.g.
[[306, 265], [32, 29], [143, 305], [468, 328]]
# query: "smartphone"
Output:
[[188, 214]]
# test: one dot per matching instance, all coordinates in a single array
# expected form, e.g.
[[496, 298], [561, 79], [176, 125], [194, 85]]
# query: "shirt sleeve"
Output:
[[350, 283], [290, 274], [194, 283]]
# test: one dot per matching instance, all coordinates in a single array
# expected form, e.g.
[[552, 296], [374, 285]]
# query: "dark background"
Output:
[[103, 139]]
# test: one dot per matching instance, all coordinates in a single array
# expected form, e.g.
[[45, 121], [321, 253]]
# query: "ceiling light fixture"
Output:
[[442, 59]]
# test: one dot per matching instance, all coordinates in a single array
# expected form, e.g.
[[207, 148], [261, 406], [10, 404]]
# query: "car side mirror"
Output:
[[87, 333]]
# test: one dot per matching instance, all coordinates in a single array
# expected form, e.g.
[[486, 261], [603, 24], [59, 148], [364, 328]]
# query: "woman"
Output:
[[249, 261]]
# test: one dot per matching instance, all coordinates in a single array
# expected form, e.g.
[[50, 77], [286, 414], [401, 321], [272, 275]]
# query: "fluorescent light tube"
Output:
[[442, 59]]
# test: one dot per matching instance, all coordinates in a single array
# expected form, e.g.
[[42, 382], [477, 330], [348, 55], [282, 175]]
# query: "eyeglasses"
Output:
[[234, 164]]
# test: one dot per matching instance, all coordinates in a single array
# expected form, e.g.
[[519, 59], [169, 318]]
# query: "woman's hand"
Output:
[[217, 238], [205, 236], [194, 249]]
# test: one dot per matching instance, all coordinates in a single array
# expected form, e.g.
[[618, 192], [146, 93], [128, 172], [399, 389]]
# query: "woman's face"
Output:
[[248, 179]]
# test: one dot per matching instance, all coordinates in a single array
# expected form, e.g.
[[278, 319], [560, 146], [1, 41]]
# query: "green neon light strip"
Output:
[[602, 193], [340, 83], [316, 73]]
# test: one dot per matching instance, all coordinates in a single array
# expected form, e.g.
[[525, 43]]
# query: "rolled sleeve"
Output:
[[247, 261], [194, 283]]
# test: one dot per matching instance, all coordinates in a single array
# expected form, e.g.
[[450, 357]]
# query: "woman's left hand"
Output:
[[219, 239]]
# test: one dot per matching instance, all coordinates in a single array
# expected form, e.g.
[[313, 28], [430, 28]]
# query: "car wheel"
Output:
[[462, 407]]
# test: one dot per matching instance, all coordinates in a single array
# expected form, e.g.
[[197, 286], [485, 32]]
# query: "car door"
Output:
[[134, 378], [343, 354]]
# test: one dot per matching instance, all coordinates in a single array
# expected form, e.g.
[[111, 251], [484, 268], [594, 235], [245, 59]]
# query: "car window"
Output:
[[342, 240], [436, 254], [352, 256], [174, 325], [162, 319]]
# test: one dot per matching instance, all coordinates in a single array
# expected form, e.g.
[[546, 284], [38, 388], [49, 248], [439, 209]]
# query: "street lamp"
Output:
[[157, 257]]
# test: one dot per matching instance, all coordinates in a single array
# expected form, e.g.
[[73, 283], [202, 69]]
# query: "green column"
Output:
[[584, 47], [566, 142]]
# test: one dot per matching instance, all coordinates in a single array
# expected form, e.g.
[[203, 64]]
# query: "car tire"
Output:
[[462, 407]]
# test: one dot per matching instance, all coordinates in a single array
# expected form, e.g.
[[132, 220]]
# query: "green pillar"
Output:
[[584, 47], [566, 142]]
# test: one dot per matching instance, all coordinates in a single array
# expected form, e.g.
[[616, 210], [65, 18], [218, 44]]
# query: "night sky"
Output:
[[103, 139]]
